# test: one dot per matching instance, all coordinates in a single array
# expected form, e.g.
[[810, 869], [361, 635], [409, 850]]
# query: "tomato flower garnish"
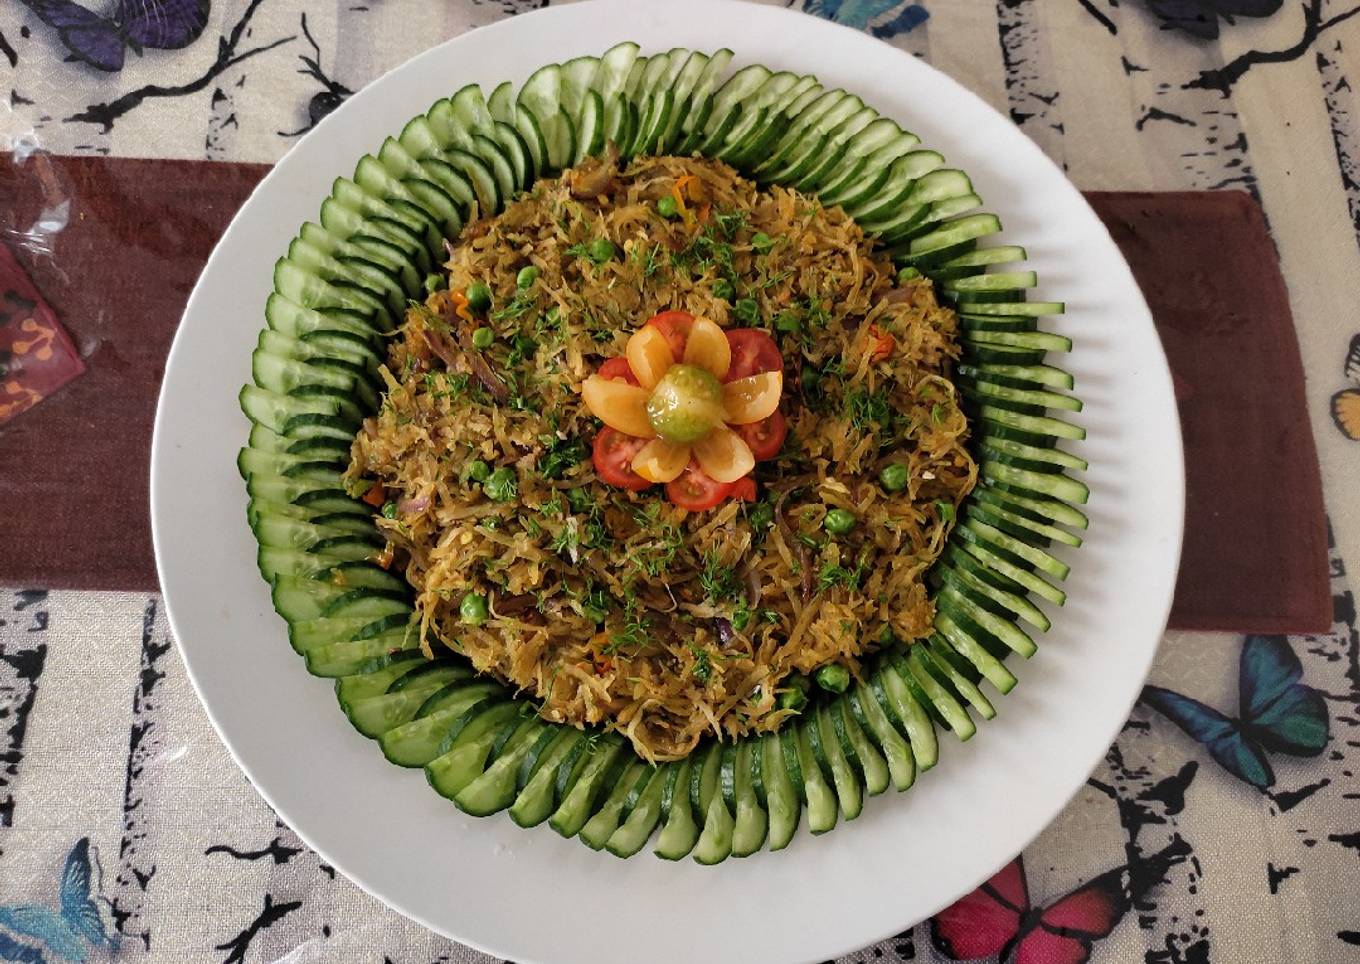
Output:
[[690, 396]]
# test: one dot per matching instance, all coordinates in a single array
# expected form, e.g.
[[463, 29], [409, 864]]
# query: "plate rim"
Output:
[[330, 128]]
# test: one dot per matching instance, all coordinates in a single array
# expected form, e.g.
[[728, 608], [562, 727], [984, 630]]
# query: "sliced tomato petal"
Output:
[[661, 461], [618, 370], [752, 398], [696, 491], [723, 455], [765, 437], [649, 355], [613, 456], [619, 405], [709, 348]]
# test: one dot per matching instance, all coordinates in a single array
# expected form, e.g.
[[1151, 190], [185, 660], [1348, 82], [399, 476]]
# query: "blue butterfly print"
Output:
[[101, 42], [1200, 17], [1276, 713], [866, 14], [85, 917]]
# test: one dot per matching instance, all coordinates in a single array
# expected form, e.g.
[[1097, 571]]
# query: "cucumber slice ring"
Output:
[[338, 293]]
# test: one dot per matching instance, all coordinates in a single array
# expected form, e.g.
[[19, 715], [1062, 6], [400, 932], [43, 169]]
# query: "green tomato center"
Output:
[[686, 404]]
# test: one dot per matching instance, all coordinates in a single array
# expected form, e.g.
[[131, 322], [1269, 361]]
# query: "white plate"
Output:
[[530, 895]]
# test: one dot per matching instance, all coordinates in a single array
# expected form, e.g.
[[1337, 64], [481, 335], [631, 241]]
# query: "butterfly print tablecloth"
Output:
[[1224, 823]]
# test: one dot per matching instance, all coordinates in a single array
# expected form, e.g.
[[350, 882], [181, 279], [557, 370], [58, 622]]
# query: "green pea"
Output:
[[893, 478], [433, 282], [666, 207], [762, 242], [794, 697], [761, 515], [834, 678], [389, 510], [602, 250], [907, 274], [479, 296], [722, 288], [526, 277], [477, 470], [501, 485], [483, 338], [839, 522], [473, 609], [788, 322], [946, 510], [747, 310], [553, 316]]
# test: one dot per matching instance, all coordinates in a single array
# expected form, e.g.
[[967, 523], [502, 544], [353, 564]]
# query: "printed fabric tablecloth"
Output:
[[1223, 825]]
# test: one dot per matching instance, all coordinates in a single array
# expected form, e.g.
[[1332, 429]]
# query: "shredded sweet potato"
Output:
[[617, 608]]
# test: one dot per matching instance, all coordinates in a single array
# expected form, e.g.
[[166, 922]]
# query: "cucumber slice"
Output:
[[681, 830], [991, 597], [632, 834], [913, 669], [579, 800], [610, 815], [733, 94], [869, 761], [350, 689], [968, 648], [800, 136], [299, 599], [501, 102], [295, 321], [869, 714], [316, 471], [843, 776], [541, 96], [894, 696], [345, 658], [781, 797], [494, 789], [536, 800], [304, 287], [464, 755], [751, 822], [375, 715], [939, 659], [417, 742], [821, 801], [715, 841]]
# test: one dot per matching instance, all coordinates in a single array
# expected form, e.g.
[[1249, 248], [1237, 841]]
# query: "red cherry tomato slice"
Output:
[[695, 490], [618, 369], [675, 325], [753, 352], [613, 458], [766, 437], [744, 489]]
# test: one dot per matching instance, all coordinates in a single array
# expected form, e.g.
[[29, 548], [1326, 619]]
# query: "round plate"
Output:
[[531, 895]]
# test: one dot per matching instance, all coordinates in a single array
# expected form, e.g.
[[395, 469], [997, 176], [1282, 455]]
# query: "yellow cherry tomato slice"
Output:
[[723, 455], [708, 348], [621, 406], [750, 399], [649, 355], [661, 461]]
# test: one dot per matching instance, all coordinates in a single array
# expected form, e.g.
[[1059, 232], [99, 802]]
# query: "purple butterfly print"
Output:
[[102, 42]]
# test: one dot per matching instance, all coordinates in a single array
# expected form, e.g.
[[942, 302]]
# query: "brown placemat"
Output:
[[73, 471]]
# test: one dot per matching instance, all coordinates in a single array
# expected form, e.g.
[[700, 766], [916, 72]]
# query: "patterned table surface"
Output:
[[1241, 843]]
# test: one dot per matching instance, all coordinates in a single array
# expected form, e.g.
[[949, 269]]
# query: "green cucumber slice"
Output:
[[681, 830]]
